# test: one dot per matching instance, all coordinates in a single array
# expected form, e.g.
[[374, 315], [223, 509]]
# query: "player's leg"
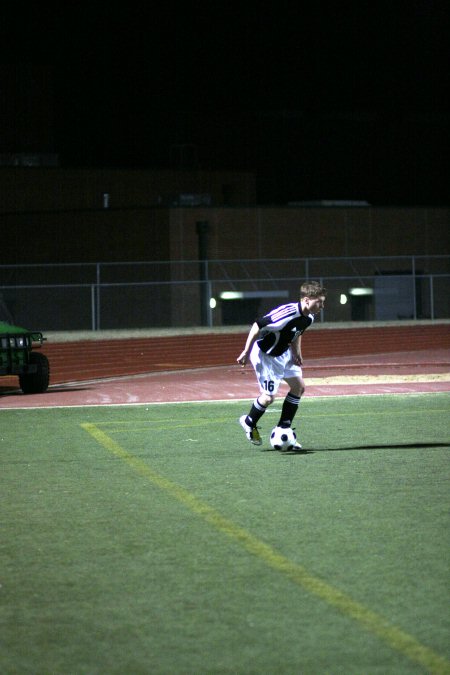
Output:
[[292, 400], [268, 374], [249, 422], [294, 378]]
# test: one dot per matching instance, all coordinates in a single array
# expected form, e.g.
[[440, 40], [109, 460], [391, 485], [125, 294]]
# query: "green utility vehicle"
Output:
[[18, 358]]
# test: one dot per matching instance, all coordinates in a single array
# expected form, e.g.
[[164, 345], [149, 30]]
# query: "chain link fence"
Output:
[[170, 294]]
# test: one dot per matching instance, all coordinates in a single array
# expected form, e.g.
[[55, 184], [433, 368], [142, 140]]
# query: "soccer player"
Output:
[[274, 348]]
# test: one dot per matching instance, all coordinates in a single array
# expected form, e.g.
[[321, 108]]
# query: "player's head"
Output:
[[312, 289], [312, 296]]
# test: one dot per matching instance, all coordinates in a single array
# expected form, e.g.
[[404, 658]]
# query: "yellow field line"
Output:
[[373, 622]]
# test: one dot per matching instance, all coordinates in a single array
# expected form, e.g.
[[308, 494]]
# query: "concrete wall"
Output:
[[293, 232], [138, 234], [84, 236], [57, 215]]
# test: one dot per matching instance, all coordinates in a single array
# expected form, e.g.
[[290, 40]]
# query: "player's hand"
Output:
[[242, 358], [297, 359]]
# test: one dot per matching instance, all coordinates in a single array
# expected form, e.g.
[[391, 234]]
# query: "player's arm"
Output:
[[296, 351], [252, 336]]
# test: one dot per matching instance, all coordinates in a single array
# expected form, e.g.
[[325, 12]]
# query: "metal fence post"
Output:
[[93, 304], [97, 313], [413, 272], [431, 297], [205, 310]]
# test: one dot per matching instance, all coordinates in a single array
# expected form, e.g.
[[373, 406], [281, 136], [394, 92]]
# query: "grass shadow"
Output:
[[386, 446]]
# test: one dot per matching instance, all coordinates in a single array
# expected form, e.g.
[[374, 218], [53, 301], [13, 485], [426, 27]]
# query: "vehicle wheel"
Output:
[[36, 383]]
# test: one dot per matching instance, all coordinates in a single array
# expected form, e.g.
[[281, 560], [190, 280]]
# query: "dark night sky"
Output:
[[325, 100]]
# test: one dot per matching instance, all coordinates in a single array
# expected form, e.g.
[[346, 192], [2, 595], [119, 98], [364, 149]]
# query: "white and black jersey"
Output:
[[280, 327]]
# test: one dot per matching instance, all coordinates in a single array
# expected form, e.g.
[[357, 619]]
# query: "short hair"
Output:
[[312, 289]]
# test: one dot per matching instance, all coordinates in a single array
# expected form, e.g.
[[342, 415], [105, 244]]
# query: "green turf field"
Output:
[[156, 539]]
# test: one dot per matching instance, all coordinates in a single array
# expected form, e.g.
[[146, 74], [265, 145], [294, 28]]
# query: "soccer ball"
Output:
[[282, 439]]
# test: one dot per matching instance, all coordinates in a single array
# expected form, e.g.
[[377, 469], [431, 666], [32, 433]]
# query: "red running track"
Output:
[[100, 358], [393, 358], [396, 372]]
